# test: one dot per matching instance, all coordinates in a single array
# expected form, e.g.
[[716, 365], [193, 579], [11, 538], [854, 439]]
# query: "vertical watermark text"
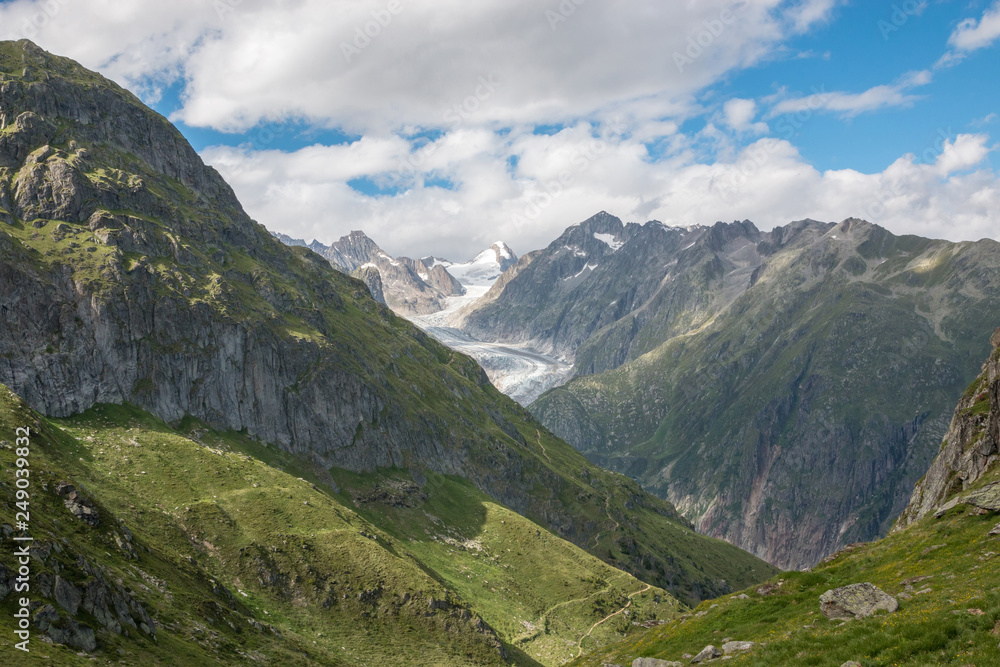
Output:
[[22, 519]]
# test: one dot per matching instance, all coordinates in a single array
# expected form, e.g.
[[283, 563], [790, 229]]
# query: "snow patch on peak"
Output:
[[486, 267], [389, 259], [609, 240], [503, 250], [587, 267]]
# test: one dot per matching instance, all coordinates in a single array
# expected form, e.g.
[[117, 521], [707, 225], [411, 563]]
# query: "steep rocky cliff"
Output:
[[970, 449], [129, 273]]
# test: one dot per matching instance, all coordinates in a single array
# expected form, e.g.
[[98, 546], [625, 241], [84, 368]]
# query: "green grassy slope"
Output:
[[934, 627], [220, 541], [234, 533]]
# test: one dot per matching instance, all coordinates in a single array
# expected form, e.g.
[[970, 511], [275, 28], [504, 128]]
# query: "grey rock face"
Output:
[[736, 647], [707, 653], [856, 601], [371, 277], [64, 630], [66, 595], [655, 662], [971, 447]]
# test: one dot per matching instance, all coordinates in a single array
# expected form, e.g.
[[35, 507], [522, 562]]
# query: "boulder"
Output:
[[851, 663], [733, 647], [768, 589], [707, 653], [856, 601], [655, 662]]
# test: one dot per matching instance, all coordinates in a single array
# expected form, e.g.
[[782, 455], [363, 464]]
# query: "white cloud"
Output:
[[739, 113], [609, 73], [971, 34], [946, 192], [852, 104], [256, 60]]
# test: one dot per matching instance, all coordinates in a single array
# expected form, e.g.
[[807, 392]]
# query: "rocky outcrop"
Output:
[[737, 647], [655, 662], [81, 507], [706, 654], [371, 277], [970, 447], [856, 601], [62, 630]]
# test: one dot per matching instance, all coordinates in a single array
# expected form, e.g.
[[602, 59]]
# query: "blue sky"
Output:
[[451, 125]]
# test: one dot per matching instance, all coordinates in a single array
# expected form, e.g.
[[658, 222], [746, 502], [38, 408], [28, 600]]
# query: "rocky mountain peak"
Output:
[[603, 223], [722, 234], [49, 99], [505, 257], [353, 250]]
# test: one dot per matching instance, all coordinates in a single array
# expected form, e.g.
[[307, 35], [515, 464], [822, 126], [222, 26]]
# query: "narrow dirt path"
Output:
[[607, 501], [538, 435], [541, 619], [622, 610]]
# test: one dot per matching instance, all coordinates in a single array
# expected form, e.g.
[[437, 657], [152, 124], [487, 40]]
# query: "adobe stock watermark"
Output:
[[581, 161], [706, 34], [22, 583], [900, 16], [47, 11], [464, 110], [365, 34], [562, 13], [455, 115]]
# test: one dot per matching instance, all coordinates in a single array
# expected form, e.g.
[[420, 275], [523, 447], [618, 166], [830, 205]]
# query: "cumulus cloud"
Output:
[[375, 65], [739, 113], [947, 191]]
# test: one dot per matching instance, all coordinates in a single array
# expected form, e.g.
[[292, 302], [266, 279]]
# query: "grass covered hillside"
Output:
[[237, 553], [949, 569]]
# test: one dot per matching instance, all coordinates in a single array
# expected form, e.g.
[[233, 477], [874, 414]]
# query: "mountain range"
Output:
[[239, 455], [783, 389], [410, 287]]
